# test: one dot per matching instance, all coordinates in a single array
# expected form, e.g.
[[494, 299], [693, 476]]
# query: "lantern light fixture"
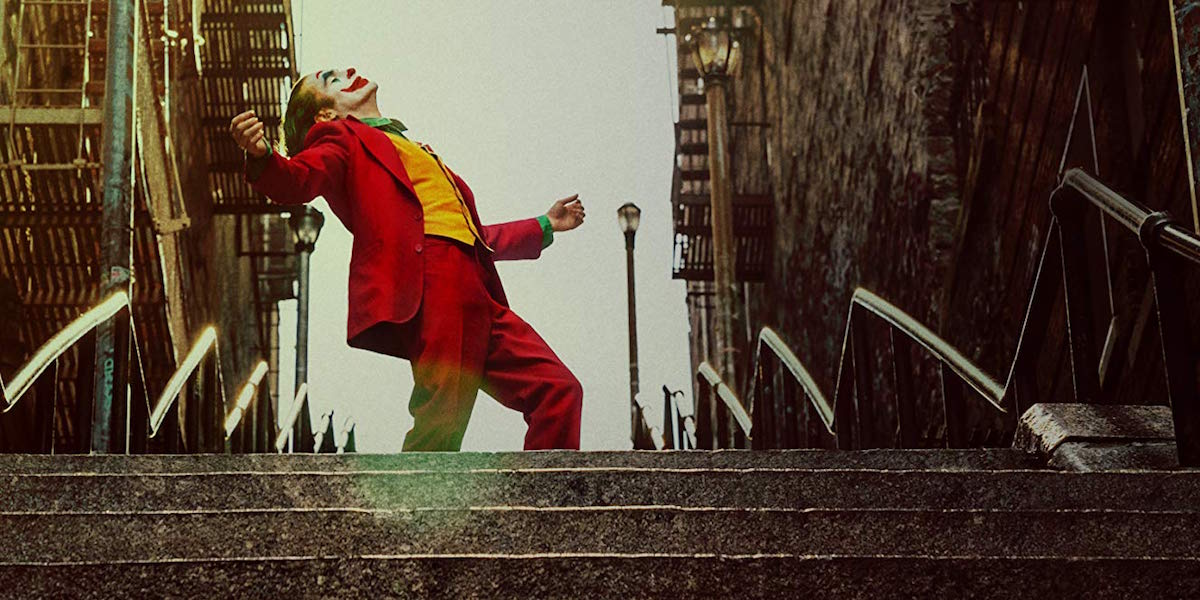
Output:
[[306, 228], [628, 217], [716, 50]]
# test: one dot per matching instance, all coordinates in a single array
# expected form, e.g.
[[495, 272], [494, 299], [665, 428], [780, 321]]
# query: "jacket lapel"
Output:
[[378, 144], [468, 199]]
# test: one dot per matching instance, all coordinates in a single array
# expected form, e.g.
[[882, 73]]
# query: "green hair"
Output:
[[302, 108]]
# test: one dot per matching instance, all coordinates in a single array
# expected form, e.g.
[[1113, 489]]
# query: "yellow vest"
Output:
[[445, 212]]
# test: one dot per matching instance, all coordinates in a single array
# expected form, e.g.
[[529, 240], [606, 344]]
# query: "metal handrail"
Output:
[[728, 397], [1168, 246], [767, 338], [1157, 232], [207, 342], [285, 433], [1132, 215], [245, 397], [680, 418], [58, 344], [319, 433], [656, 434], [948, 355], [345, 435], [902, 323]]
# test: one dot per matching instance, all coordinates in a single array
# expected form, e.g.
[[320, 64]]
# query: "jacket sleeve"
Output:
[[515, 240], [317, 170]]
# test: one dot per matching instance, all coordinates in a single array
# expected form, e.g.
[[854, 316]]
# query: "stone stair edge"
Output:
[[606, 576], [946, 460], [524, 533], [840, 488]]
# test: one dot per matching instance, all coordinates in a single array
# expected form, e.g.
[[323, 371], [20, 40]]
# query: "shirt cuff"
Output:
[[255, 165], [547, 231]]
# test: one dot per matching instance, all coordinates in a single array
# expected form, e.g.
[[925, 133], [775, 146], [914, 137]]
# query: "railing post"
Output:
[[85, 382], [864, 378], [212, 406], [1168, 272], [304, 440], [193, 416], [906, 410], [46, 394], [844, 413], [263, 420], [197, 412], [169, 430], [302, 433], [669, 418], [724, 438], [739, 436], [139, 420], [245, 432], [328, 443], [763, 408], [1069, 213], [794, 405], [704, 420], [953, 408], [1022, 379]]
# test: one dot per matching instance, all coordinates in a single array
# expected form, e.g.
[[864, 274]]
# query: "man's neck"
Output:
[[365, 113], [367, 110]]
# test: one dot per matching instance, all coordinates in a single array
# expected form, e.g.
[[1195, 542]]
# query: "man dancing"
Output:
[[423, 284]]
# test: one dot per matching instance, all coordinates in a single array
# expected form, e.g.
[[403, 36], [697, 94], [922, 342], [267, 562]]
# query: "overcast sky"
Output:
[[530, 101]]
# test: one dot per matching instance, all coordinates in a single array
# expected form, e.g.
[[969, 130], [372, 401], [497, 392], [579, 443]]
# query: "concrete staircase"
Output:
[[874, 524]]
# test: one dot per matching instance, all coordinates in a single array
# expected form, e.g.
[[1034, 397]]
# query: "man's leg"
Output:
[[450, 348], [524, 374]]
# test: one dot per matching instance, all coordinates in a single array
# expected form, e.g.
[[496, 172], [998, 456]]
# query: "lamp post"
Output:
[[716, 54], [306, 227], [628, 217], [110, 410]]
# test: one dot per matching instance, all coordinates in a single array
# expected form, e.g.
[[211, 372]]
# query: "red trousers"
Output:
[[463, 340]]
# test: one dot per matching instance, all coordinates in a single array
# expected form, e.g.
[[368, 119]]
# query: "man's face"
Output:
[[348, 89]]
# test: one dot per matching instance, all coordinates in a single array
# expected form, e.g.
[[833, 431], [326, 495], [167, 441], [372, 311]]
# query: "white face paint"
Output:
[[348, 89]]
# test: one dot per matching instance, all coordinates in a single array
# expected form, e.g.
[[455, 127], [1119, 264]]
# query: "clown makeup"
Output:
[[351, 93], [325, 95]]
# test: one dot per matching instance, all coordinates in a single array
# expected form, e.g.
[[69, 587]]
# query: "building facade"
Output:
[[206, 249]]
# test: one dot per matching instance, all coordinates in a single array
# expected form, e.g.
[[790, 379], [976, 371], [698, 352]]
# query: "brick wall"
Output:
[[867, 156]]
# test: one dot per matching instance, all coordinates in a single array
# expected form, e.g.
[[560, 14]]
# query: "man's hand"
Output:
[[249, 134], [566, 214]]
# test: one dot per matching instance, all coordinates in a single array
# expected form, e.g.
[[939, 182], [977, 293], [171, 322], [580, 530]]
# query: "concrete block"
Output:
[[1108, 456], [1045, 427]]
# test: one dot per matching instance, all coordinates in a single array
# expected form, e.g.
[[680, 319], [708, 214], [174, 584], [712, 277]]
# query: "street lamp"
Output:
[[306, 228], [628, 217], [717, 54], [715, 48]]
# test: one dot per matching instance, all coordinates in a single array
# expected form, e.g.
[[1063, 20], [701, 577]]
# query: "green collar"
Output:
[[386, 124]]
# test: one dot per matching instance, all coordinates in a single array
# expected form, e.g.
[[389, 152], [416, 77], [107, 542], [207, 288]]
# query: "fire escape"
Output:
[[249, 63], [197, 64], [753, 207]]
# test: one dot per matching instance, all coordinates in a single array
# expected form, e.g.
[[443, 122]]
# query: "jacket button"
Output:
[[417, 217], [418, 248]]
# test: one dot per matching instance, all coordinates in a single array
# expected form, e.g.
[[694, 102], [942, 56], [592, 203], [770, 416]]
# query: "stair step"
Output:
[[761, 487], [979, 459], [612, 575], [622, 530]]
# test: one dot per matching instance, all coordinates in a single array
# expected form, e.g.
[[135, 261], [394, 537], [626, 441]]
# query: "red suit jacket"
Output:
[[357, 170]]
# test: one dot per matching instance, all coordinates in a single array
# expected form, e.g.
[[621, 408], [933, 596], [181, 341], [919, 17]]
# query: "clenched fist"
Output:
[[249, 134]]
